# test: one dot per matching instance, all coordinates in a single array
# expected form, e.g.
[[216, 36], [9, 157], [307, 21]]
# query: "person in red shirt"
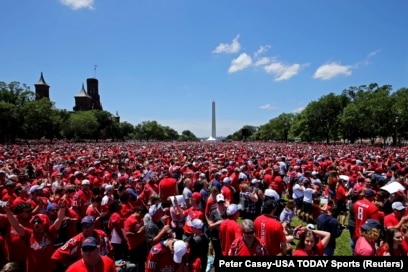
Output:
[[366, 242], [192, 213], [248, 244], [270, 231], [82, 198], [9, 193], [91, 260], [167, 187], [227, 190], [70, 251], [397, 218], [312, 243], [341, 200], [230, 228], [393, 244], [364, 209], [116, 227], [277, 181], [136, 238], [15, 248], [166, 256], [40, 239]]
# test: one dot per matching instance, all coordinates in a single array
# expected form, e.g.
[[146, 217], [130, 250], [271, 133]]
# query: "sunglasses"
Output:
[[54, 210], [249, 232], [87, 249], [37, 222]]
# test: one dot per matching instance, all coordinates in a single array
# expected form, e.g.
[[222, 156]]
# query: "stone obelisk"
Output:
[[213, 130]]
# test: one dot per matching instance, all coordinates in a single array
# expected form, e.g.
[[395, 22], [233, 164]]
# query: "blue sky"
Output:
[[166, 60]]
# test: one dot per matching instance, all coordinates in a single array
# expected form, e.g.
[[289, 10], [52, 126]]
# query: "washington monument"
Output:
[[213, 136]]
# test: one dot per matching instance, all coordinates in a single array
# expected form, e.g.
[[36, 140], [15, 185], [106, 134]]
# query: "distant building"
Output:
[[88, 100], [42, 89], [117, 117], [84, 100]]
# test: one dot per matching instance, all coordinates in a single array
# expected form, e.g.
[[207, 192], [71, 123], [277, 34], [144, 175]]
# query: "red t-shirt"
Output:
[[168, 187], [385, 249], [363, 210], [133, 224], [160, 258], [106, 264], [15, 248], [210, 205], [271, 233], [240, 248], [192, 214], [390, 220], [71, 250], [40, 250], [227, 193], [319, 251], [277, 184], [229, 231]]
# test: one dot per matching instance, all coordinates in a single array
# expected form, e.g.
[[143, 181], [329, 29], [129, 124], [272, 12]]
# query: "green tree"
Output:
[[187, 135], [81, 125]]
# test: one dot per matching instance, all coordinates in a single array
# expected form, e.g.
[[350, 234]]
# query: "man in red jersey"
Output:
[[136, 238], [270, 231], [91, 260], [166, 256], [397, 218], [364, 209], [248, 244], [70, 251], [192, 213], [229, 228]]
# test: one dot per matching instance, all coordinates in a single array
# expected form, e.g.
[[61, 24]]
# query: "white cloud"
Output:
[[298, 110], [240, 63], [234, 47], [330, 70], [263, 61], [281, 71], [262, 49], [78, 4], [268, 107]]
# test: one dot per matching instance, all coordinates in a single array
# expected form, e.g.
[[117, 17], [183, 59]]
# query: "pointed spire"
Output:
[[41, 81], [117, 114], [82, 92]]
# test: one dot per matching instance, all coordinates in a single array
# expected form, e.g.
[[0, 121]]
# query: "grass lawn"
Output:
[[342, 243]]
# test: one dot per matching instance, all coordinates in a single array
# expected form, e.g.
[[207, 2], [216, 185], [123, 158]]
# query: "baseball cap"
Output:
[[52, 206], [253, 181], [272, 194], [315, 173], [233, 209], [90, 242], [369, 193], [196, 223], [196, 196], [85, 182], [87, 220], [180, 249], [154, 208], [226, 180], [108, 188], [220, 197], [371, 224], [398, 206], [35, 188]]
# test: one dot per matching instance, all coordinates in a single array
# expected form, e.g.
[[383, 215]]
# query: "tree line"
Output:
[[367, 112], [364, 112]]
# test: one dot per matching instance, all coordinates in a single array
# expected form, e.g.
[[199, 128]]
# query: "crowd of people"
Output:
[[169, 206]]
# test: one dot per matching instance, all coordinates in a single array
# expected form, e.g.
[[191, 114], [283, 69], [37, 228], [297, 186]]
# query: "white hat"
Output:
[[315, 173], [272, 193], [196, 223], [85, 182], [202, 175], [226, 180], [220, 197], [310, 226], [35, 188], [398, 206], [180, 249], [242, 176], [253, 181], [233, 208], [108, 188], [154, 208]]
